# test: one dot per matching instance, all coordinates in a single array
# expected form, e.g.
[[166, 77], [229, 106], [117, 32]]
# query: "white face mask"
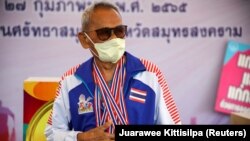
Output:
[[109, 51]]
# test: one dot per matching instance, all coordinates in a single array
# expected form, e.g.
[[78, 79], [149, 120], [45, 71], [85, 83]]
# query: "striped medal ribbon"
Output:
[[110, 98]]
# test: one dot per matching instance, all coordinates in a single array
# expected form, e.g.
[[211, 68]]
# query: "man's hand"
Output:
[[97, 134]]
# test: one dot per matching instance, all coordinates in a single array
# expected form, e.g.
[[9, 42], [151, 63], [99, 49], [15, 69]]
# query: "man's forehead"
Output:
[[103, 17], [103, 13]]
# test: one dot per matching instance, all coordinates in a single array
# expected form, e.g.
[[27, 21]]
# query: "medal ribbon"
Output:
[[111, 99]]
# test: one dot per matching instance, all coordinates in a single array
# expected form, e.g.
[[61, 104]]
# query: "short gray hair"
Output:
[[87, 12]]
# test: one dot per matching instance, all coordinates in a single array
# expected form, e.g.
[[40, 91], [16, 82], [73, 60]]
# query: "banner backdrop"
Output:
[[186, 39]]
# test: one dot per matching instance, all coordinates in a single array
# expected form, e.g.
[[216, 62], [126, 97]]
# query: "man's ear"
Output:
[[83, 40]]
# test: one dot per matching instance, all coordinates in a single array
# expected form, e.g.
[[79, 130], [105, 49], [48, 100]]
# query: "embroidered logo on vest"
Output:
[[84, 106]]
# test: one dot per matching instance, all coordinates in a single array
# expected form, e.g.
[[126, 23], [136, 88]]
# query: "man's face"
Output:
[[103, 17]]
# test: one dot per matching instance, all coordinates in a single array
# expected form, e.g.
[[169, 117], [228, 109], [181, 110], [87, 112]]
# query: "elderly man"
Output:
[[111, 88]]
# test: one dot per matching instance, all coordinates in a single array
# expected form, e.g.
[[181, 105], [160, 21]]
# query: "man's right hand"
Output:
[[97, 134]]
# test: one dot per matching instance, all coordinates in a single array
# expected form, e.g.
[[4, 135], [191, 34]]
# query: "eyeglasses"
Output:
[[104, 34]]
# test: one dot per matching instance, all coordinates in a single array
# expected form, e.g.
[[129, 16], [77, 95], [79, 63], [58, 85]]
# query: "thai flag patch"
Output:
[[137, 95]]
